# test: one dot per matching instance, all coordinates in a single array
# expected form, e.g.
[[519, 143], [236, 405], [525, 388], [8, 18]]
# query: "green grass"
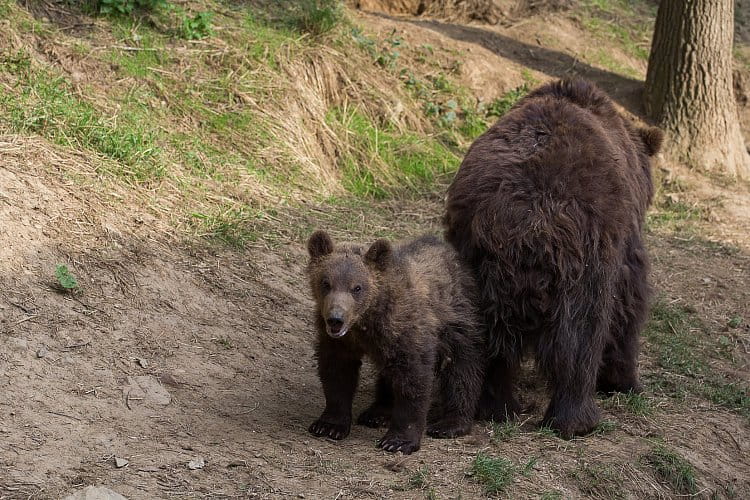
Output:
[[547, 431], [551, 495], [451, 107], [604, 58], [636, 404], [494, 474], [674, 334], [735, 322], [264, 41], [419, 479], [504, 431], [673, 331], [674, 215], [46, 104], [320, 16], [234, 226], [138, 48], [599, 480], [673, 469], [5, 8], [605, 427], [504, 103], [384, 161], [621, 22]]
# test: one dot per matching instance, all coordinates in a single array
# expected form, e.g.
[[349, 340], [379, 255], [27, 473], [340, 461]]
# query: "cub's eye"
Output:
[[325, 285], [357, 289]]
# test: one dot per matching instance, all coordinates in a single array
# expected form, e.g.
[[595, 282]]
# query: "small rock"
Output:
[[67, 360], [95, 493], [42, 352], [120, 462], [196, 463], [143, 362], [148, 389]]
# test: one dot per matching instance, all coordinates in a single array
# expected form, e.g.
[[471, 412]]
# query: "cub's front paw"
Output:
[[375, 417], [393, 443], [449, 428], [322, 428]]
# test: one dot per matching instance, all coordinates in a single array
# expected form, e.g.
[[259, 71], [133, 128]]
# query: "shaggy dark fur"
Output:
[[547, 208], [412, 310]]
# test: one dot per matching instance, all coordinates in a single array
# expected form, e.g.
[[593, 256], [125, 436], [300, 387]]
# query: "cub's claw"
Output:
[[395, 443], [321, 428]]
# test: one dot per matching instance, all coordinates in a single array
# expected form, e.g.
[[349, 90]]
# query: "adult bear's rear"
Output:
[[547, 208]]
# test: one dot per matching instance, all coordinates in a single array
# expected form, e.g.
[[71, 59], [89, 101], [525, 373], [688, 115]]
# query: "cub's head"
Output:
[[344, 279]]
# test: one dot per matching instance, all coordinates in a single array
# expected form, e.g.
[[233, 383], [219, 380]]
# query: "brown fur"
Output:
[[547, 208], [411, 310]]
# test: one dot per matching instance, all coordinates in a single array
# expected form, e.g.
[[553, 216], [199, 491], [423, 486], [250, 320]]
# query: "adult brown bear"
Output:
[[547, 209]]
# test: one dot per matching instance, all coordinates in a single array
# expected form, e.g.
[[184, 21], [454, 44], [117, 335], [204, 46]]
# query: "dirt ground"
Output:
[[175, 350]]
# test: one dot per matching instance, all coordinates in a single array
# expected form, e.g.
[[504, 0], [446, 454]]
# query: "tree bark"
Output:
[[689, 85]]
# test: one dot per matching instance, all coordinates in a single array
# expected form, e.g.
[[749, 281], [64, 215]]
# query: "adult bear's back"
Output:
[[561, 169]]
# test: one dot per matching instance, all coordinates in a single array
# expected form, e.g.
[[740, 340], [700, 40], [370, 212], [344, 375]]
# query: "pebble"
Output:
[[95, 493], [196, 463]]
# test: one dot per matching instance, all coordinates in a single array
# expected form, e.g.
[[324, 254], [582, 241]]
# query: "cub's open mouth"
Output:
[[337, 331]]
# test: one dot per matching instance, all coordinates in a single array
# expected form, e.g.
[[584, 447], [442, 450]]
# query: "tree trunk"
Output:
[[689, 85]]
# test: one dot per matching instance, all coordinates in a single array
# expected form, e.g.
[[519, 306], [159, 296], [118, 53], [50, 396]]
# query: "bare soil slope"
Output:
[[172, 352]]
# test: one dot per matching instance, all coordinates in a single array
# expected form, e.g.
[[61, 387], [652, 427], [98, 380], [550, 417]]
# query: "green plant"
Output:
[[47, 105], [604, 427], [232, 226], [495, 474], [638, 404], [124, 7], [547, 431], [672, 333], [384, 160], [551, 495], [735, 322], [196, 27], [18, 62], [225, 342], [65, 278], [503, 431], [418, 480], [320, 16], [672, 468], [503, 104], [599, 480]]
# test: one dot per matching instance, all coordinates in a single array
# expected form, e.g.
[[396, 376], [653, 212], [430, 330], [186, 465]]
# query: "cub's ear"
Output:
[[652, 138], [319, 244], [379, 254]]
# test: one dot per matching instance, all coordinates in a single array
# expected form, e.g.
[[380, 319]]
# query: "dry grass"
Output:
[[241, 121]]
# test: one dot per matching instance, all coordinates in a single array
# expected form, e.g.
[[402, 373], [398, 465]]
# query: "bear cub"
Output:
[[411, 309]]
